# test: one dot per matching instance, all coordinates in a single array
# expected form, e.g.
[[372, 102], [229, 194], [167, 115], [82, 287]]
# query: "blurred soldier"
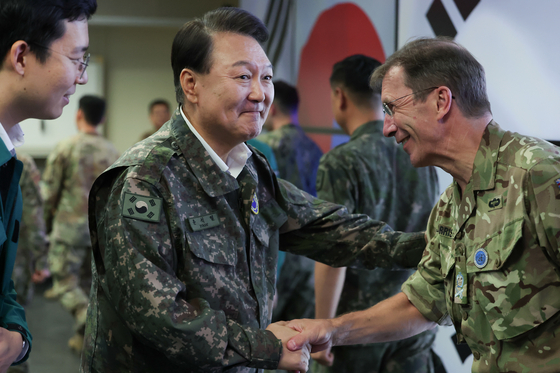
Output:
[[187, 224], [298, 159], [42, 48], [31, 262], [71, 169], [160, 112], [371, 175]]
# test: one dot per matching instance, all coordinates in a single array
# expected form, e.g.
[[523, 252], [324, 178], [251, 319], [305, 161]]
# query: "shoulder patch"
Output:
[[558, 182], [141, 207]]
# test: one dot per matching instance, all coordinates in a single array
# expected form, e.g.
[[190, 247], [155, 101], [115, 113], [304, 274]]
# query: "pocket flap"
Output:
[[213, 245]]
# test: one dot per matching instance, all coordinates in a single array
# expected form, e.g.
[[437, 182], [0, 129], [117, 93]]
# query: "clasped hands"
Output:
[[300, 338]]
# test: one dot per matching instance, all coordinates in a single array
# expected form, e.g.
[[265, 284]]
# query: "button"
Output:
[[476, 355], [465, 316], [460, 249], [460, 235]]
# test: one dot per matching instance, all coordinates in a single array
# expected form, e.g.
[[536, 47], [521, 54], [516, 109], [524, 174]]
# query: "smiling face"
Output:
[[414, 123], [49, 85], [233, 99]]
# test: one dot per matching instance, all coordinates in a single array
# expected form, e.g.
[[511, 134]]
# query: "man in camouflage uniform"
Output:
[[298, 159], [186, 225], [370, 175], [71, 169], [31, 262], [159, 112], [491, 266]]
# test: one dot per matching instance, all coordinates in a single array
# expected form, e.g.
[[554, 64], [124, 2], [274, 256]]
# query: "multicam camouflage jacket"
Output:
[[296, 154], [71, 169], [371, 174], [492, 259], [185, 257]]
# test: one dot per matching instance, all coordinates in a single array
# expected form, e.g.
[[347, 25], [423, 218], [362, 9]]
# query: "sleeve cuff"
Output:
[[26, 346], [262, 349]]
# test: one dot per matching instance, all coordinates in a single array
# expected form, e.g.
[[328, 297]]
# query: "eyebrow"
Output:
[[245, 63], [82, 49]]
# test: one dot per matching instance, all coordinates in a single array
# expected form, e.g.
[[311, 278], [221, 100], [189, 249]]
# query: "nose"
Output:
[[389, 127], [257, 93], [83, 79]]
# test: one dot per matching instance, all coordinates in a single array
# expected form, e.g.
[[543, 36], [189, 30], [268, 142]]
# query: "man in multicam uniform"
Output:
[[491, 266], [71, 169], [298, 159], [371, 175], [186, 225], [31, 261]]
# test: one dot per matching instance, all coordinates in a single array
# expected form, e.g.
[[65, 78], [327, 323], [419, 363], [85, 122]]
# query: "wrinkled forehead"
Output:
[[229, 49], [393, 83]]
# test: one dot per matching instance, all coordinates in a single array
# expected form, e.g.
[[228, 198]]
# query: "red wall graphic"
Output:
[[339, 32]]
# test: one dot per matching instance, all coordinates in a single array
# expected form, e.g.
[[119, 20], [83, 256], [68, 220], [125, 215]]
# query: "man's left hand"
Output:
[[10, 347]]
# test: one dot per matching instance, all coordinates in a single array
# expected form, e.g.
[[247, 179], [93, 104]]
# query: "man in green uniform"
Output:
[[42, 45], [372, 175], [159, 112], [491, 266], [298, 159], [71, 169], [187, 224]]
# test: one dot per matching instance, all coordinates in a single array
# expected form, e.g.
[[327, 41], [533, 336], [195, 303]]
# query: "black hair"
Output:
[[286, 97], [353, 73], [93, 108], [192, 46], [158, 101], [39, 22]]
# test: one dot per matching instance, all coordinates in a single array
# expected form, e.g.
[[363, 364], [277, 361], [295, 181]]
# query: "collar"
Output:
[[375, 126], [486, 159], [237, 158], [12, 138]]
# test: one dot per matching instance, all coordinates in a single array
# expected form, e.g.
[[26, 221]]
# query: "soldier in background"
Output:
[[298, 159], [71, 169], [31, 261], [159, 112], [372, 175]]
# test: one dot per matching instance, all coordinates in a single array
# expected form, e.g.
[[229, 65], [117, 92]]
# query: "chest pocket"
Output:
[[266, 224], [214, 245], [517, 288]]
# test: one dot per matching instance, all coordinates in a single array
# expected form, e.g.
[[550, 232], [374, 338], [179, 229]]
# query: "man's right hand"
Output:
[[325, 357], [295, 361]]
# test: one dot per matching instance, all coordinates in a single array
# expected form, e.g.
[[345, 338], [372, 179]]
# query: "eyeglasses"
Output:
[[387, 110], [83, 62]]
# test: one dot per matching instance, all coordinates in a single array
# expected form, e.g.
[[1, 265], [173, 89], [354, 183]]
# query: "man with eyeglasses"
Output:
[[42, 44], [492, 264]]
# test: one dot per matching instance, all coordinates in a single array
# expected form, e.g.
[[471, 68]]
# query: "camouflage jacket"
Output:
[[371, 174], [185, 257], [296, 154], [490, 264], [32, 235], [69, 174]]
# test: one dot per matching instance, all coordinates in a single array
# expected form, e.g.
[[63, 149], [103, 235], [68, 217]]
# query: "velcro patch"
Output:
[[141, 207], [558, 182], [445, 231], [496, 203], [204, 222]]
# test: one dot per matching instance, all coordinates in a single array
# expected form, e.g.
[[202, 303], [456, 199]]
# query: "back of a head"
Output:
[[93, 108], [192, 46], [159, 101], [434, 62], [39, 22], [286, 97], [353, 74]]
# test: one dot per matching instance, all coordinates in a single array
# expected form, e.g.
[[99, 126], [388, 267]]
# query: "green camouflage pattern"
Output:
[[371, 174], [32, 247], [506, 307], [169, 297], [71, 169], [298, 159], [296, 154]]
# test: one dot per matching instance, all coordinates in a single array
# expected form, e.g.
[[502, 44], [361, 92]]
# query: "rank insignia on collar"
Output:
[[255, 204], [558, 182]]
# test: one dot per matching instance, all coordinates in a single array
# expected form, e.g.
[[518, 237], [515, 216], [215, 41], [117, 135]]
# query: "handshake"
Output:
[[300, 338]]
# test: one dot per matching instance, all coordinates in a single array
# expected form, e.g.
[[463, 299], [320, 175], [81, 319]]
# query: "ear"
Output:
[[189, 81], [79, 115], [443, 102], [17, 56], [341, 98]]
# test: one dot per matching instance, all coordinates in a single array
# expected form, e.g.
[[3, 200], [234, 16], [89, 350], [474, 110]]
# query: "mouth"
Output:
[[403, 141]]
